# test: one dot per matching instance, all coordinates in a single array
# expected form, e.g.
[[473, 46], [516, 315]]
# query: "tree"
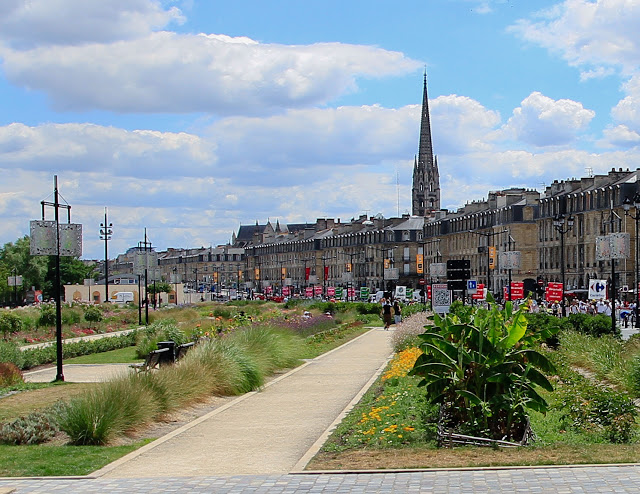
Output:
[[160, 287], [33, 269], [73, 271]]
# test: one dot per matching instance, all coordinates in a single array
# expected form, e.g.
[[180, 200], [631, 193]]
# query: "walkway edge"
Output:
[[313, 450], [115, 464]]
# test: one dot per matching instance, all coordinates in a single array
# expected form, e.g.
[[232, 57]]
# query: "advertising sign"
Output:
[[441, 300], [331, 291], [510, 259], [364, 293], [428, 292], [554, 292], [438, 269], [517, 290], [338, 292], [308, 292], [285, 291], [409, 293], [597, 289], [480, 292], [351, 293], [317, 290]]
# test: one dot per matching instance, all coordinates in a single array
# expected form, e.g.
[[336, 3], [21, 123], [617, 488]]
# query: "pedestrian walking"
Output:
[[386, 313], [397, 313]]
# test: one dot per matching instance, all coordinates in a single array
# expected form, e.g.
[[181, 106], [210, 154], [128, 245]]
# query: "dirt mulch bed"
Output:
[[420, 458]]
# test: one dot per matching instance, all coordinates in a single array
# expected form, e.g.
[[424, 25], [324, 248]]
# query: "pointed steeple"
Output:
[[426, 177], [425, 152]]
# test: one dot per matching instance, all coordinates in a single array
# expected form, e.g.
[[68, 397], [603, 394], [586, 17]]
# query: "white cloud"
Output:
[[620, 136], [588, 33], [542, 121], [31, 23], [84, 147], [169, 72], [460, 125], [627, 111]]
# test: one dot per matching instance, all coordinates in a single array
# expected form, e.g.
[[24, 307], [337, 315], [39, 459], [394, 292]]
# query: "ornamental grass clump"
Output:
[[406, 333], [484, 371]]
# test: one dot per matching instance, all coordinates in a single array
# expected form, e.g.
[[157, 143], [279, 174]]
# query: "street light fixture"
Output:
[[563, 226], [627, 207]]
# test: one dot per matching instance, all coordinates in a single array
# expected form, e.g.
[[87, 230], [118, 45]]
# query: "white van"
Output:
[[121, 297]]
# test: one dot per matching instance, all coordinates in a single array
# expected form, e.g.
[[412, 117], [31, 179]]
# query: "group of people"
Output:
[[389, 310], [624, 310]]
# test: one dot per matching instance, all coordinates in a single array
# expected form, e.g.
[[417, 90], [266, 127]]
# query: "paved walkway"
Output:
[[251, 444], [79, 373]]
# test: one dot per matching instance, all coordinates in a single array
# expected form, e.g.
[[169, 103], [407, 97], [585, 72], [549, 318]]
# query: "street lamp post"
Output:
[[627, 206], [562, 228], [145, 246], [105, 234]]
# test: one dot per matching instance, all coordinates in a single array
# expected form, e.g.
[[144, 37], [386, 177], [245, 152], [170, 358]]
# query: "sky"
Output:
[[192, 117]]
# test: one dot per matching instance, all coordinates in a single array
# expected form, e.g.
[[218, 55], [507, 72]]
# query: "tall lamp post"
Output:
[[627, 206], [105, 234], [562, 227]]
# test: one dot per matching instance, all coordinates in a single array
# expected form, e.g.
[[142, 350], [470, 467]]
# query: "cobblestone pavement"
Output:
[[584, 480]]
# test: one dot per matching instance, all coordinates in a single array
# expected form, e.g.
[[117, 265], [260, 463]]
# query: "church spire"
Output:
[[426, 177], [425, 152]]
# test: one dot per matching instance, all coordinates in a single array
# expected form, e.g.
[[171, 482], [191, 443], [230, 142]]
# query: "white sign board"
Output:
[[14, 281], [440, 298], [438, 269], [597, 289], [612, 246], [401, 292], [510, 259], [313, 279], [391, 274], [44, 240]]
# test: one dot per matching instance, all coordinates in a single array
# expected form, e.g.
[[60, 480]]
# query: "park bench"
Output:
[[182, 350], [151, 362]]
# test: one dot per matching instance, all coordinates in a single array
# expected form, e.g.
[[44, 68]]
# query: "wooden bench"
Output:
[[151, 362], [182, 350]]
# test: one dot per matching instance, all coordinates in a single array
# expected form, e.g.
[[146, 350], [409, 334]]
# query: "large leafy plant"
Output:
[[483, 368]]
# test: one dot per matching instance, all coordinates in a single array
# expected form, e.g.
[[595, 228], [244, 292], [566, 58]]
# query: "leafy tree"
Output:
[[92, 314], [160, 287], [9, 323], [482, 369], [33, 269], [73, 271]]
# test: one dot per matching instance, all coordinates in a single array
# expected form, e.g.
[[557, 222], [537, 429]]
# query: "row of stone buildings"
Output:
[[379, 252]]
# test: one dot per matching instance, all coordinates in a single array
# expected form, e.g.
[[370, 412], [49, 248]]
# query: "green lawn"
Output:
[[47, 460], [121, 356]]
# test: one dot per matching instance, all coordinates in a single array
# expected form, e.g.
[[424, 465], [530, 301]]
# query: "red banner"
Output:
[[317, 290], [428, 292], [351, 293], [517, 290], [307, 271], [309, 291], [479, 295], [331, 291], [554, 292], [326, 273], [268, 289]]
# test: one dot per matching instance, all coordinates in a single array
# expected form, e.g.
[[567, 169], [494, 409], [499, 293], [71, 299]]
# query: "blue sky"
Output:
[[191, 117]]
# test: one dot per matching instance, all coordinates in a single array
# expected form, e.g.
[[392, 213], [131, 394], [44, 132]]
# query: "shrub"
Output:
[[9, 323], [162, 330], [368, 308], [10, 352], [47, 316], [484, 371], [92, 314], [406, 333], [70, 316], [35, 428], [106, 411], [10, 374]]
